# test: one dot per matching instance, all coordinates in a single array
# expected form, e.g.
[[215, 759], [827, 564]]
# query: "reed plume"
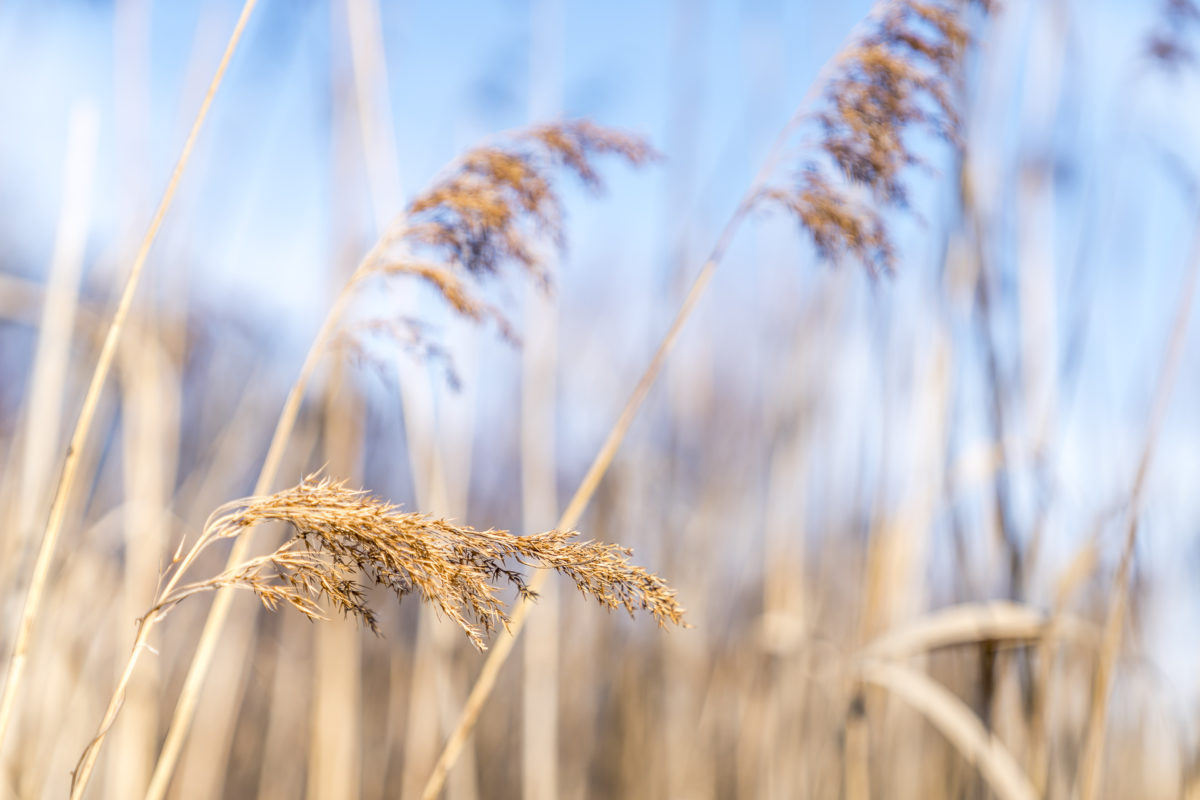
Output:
[[344, 536], [344, 539], [899, 76], [492, 208], [1168, 43]]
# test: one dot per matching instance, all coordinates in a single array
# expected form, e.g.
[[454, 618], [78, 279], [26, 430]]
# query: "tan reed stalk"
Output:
[[151, 402], [207, 755], [66, 483], [539, 407], [539, 753], [334, 761], [335, 732], [48, 382], [30, 468], [437, 686], [964, 730], [368, 56], [1093, 748], [758, 190], [278, 778]]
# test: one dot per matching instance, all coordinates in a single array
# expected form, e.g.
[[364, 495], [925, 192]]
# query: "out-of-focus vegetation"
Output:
[[903, 414]]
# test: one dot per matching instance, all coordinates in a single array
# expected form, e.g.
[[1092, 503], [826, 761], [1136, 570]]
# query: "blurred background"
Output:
[[829, 459]]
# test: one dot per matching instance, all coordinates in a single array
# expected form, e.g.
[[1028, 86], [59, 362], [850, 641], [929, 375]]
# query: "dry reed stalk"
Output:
[[971, 623], [482, 214], [335, 739], [861, 139], [151, 400], [204, 766], [66, 483], [334, 764], [1090, 763], [540, 687], [30, 466], [61, 298], [437, 449], [964, 730]]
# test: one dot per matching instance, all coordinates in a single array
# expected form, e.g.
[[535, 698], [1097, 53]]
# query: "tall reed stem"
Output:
[[66, 481], [1089, 771]]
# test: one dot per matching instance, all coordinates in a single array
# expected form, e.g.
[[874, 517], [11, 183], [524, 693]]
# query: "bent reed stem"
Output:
[[66, 482]]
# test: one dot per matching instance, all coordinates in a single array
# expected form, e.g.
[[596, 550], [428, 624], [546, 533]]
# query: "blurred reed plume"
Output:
[[902, 74], [1168, 43], [495, 205], [499, 197]]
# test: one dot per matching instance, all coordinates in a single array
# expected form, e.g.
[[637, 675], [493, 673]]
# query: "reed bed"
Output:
[[840, 444]]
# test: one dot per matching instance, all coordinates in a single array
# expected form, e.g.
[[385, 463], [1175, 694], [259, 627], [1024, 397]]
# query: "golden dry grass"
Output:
[[823, 664]]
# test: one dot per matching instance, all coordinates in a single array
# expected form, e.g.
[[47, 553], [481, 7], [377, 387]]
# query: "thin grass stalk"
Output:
[[335, 738], [167, 596], [334, 763], [48, 382], [539, 755], [208, 754], [426, 454], [278, 778], [83, 771], [539, 497], [502, 648], [1090, 765], [151, 400], [425, 451], [66, 482], [30, 467]]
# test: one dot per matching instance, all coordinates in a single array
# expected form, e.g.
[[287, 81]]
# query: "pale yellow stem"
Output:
[[66, 482]]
